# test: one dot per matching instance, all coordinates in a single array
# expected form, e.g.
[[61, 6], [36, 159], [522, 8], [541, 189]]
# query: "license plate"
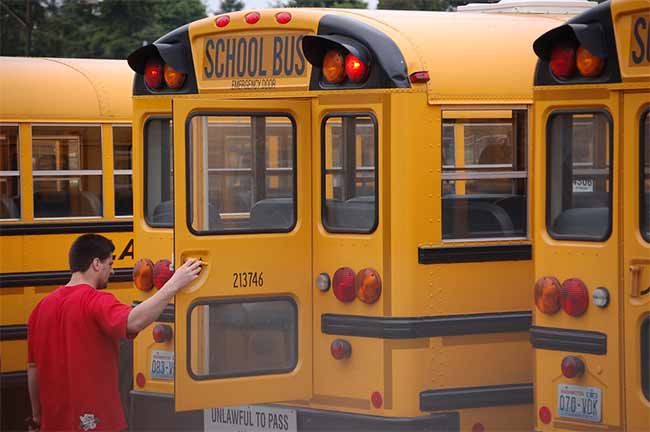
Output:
[[579, 402], [162, 365], [250, 418]]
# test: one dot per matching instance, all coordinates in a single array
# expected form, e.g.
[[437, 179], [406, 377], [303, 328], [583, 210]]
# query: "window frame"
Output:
[[62, 173], [644, 206], [233, 300], [188, 169], [145, 168], [17, 173], [563, 111], [122, 172], [323, 169]]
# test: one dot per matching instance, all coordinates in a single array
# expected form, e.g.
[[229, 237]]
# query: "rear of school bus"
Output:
[[65, 169], [359, 198], [592, 245]]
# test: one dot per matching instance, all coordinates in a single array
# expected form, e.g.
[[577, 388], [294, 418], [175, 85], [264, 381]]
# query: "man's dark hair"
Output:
[[88, 247]]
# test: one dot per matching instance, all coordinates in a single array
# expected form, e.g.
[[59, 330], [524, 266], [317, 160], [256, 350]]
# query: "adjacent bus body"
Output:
[[591, 328], [65, 169], [356, 184]]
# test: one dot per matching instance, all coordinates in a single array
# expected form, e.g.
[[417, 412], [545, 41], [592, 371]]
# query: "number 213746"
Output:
[[248, 279]]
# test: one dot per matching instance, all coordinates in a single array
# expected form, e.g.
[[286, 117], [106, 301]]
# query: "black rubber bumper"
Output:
[[152, 411]]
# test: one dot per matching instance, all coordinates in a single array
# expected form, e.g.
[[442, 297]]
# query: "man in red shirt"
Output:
[[73, 341]]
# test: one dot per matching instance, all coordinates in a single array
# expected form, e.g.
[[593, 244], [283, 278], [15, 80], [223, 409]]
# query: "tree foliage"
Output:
[[230, 6], [92, 28], [348, 4], [426, 5]]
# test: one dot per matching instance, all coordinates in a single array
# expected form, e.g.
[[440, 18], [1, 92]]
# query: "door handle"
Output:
[[636, 265]]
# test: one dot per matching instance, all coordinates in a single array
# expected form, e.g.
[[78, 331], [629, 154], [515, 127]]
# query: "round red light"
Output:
[[572, 367], [355, 69], [162, 333], [478, 427], [153, 73], [253, 17], [574, 296], [222, 21], [545, 415], [343, 284], [143, 274], [341, 349], [161, 273], [140, 380], [376, 399], [283, 17], [563, 61]]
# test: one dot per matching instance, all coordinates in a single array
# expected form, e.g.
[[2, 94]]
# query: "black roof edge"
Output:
[[312, 47]]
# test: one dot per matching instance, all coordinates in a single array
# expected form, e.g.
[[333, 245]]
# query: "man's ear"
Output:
[[96, 264]]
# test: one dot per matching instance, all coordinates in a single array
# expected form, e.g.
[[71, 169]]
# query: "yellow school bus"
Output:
[[591, 329], [356, 184], [65, 169]]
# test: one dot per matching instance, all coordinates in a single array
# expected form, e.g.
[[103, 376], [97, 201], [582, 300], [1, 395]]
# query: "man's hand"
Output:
[[183, 275]]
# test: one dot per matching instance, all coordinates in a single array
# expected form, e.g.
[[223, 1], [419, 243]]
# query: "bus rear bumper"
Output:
[[154, 411]]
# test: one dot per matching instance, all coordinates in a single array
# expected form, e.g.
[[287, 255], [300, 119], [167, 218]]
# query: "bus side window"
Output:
[[644, 173], [350, 177], [158, 172], [484, 174], [122, 148], [579, 179], [9, 172], [67, 164]]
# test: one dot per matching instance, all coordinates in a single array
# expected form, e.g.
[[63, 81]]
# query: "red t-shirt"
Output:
[[73, 339]]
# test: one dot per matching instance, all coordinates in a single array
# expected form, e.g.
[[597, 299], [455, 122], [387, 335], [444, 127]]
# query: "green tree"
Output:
[[349, 4], [426, 5], [230, 6]]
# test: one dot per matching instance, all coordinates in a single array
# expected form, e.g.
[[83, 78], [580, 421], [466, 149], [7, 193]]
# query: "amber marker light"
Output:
[[143, 274], [588, 64], [334, 67], [368, 285], [173, 78], [547, 295]]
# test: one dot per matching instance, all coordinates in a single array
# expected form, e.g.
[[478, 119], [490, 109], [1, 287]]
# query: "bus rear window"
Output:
[[67, 168], [122, 173], [484, 175], [242, 173], [9, 173], [644, 219], [158, 173], [239, 338], [579, 176], [349, 180]]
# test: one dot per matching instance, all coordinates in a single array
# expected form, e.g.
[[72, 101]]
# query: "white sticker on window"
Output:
[[583, 185]]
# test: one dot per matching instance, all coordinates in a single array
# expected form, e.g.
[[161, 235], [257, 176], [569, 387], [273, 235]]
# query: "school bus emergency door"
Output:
[[243, 328]]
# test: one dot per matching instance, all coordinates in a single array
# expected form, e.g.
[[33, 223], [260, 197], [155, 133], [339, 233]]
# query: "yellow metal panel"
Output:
[[108, 179], [17, 361], [631, 20]]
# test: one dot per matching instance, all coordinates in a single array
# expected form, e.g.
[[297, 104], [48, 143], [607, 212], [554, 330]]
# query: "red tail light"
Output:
[[140, 380], [143, 274], [545, 415], [341, 349], [478, 427], [283, 17], [420, 77], [162, 333], [368, 285], [161, 273], [575, 298], [547, 295], [153, 73], [376, 399], [563, 61], [355, 69], [222, 21], [343, 284], [573, 367]]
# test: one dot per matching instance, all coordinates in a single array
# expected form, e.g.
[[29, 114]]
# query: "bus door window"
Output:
[[579, 182], [349, 182], [484, 174], [158, 173], [9, 172], [67, 167], [644, 219], [243, 173], [239, 338], [122, 170]]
